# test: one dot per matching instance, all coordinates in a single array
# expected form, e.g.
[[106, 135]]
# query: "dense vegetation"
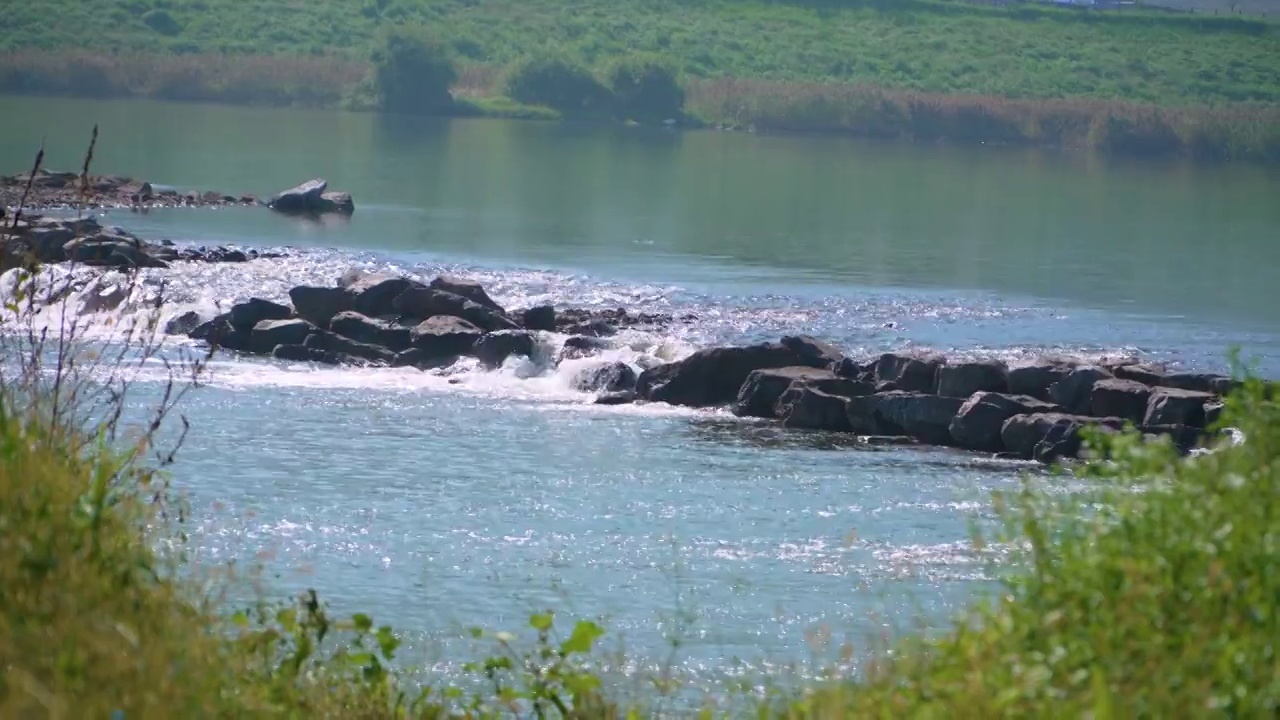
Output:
[[1147, 586]]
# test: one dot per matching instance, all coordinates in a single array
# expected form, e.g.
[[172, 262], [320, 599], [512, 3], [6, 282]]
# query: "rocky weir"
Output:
[[1033, 412]]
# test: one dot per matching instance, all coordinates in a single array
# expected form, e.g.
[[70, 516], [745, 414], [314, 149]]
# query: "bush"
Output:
[[560, 85], [413, 73], [646, 90], [162, 22]]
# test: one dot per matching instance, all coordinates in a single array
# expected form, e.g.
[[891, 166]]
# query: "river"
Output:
[[437, 505]]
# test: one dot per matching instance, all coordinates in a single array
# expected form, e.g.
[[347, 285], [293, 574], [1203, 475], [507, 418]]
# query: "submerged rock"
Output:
[[609, 377]]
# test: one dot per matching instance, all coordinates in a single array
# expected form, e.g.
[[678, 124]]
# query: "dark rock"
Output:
[[423, 360], [978, 422], [1144, 373], [269, 333], [592, 328], [813, 351], [1200, 382], [248, 314], [318, 305], [1213, 413], [759, 393], [424, 302], [1074, 391], [310, 198], [1062, 440], [812, 409], [1184, 437], [1175, 406], [331, 342], [468, 289], [48, 243], [362, 328], [1036, 379], [213, 329], [609, 377], [864, 416], [303, 353], [580, 346], [336, 202], [965, 379], [444, 336], [542, 317], [850, 368], [624, 397], [919, 415], [1022, 433], [712, 376], [183, 324], [1125, 399], [494, 348], [916, 372], [375, 293]]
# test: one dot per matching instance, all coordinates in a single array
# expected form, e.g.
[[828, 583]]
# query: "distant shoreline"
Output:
[[1248, 133]]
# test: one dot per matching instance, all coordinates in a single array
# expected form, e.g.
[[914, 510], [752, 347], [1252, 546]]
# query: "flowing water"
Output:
[[441, 501]]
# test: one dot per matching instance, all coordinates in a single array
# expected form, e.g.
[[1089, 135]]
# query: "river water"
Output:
[[439, 502]]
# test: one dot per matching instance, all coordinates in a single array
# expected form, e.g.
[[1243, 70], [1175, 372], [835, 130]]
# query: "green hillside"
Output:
[[934, 46]]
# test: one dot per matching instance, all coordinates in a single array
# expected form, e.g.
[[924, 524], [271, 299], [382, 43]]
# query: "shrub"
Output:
[[646, 90], [413, 73], [162, 22], [560, 85]]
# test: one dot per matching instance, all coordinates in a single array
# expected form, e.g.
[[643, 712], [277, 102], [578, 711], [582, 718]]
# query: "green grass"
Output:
[[934, 46]]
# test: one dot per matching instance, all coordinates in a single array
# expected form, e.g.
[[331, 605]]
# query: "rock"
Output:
[[608, 376], [310, 198], [712, 376], [444, 336], [375, 293], [302, 353], [269, 333], [248, 314], [979, 420], [1213, 413], [814, 352], [214, 330], [625, 397], [1035, 379], [361, 328], [102, 296], [183, 324], [1200, 382], [425, 302], [1184, 437], [924, 417], [1175, 406], [580, 346], [494, 348], [864, 416], [423, 360], [759, 393], [1062, 440], [812, 409], [331, 342], [965, 379], [468, 289], [1073, 392], [850, 368], [542, 317], [318, 305], [1022, 433], [1144, 373], [916, 372], [592, 328], [1115, 397], [48, 243]]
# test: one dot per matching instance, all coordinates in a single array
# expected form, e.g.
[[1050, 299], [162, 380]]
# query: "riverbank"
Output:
[[1111, 127]]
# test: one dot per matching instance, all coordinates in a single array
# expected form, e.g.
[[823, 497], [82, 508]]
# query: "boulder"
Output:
[[183, 324], [331, 342], [1116, 397], [336, 202], [48, 243], [591, 328], [759, 393], [542, 317], [425, 302], [814, 352], [248, 314], [978, 422], [965, 379], [375, 293], [624, 397], [1062, 440], [580, 346], [422, 360], [494, 348], [1022, 433], [919, 415], [302, 353], [811, 409], [1200, 382], [607, 376], [1184, 437], [444, 336], [1074, 391], [318, 305], [469, 289], [1144, 373], [310, 198], [850, 368], [361, 328], [712, 376], [269, 333], [917, 372], [1036, 379], [1175, 406], [864, 416]]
